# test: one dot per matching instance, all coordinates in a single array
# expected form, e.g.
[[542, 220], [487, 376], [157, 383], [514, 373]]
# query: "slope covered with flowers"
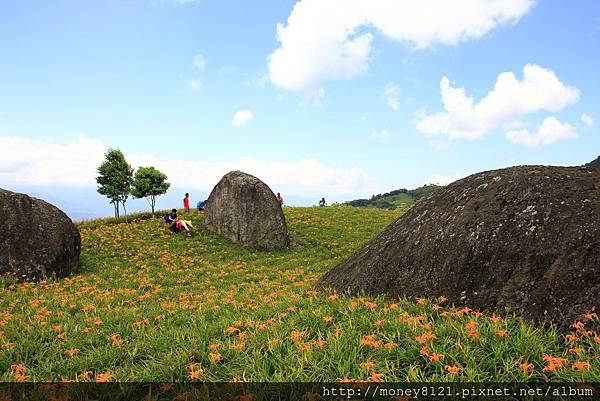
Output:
[[153, 306]]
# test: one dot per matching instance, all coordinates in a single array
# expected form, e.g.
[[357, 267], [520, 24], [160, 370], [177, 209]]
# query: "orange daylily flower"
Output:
[[19, 368], [579, 365], [453, 370], [368, 365], [103, 377], [72, 351]]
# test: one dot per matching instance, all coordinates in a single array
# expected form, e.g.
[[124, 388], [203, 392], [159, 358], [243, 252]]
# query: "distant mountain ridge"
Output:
[[402, 198]]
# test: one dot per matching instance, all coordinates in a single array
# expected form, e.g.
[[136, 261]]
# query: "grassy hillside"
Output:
[[400, 199], [153, 306]]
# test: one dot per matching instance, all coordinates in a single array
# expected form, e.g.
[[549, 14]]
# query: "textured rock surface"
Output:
[[594, 163], [37, 240], [523, 237], [243, 209]]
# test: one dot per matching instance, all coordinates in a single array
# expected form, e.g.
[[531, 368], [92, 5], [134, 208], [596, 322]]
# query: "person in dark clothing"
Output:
[[322, 202], [175, 224]]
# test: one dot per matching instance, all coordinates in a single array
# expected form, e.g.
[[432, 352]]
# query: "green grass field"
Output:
[[153, 306]]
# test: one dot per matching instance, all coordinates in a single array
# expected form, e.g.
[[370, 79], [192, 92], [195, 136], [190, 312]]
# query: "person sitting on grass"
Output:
[[175, 224]]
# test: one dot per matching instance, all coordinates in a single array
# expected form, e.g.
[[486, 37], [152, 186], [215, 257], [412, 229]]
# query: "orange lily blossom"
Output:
[[453, 370], [579, 365]]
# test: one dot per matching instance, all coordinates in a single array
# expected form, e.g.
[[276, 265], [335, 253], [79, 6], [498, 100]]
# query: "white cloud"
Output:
[[539, 90], [549, 131], [27, 161], [241, 117], [442, 179], [326, 39], [34, 162], [383, 134], [391, 93], [314, 97], [587, 120], [195, 85], [199, 62]]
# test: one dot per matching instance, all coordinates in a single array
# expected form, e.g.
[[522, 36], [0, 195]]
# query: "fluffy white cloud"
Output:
[[587, 120], [26, 161], [383, 134], [241, 117], [442, 179], [539, 90], [549, 131], [74, 164], [199, 62], [326, 39], [195, 85], [391, 93]]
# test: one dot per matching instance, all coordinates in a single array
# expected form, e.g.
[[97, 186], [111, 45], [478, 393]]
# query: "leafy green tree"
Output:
[[149, 183], [114, 179]]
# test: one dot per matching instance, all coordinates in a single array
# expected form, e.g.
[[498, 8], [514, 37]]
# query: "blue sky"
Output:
[[344, 103]]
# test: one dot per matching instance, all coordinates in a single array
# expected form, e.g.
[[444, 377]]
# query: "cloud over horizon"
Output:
[[324, 39], [35, 162]]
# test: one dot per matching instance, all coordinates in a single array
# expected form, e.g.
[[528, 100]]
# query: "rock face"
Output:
[[243, 209], [594, 163], [37, 240], [524, 237]]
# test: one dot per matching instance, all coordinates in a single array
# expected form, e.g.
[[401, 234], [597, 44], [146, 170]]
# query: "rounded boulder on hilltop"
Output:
[[243, 209], [524, 237]]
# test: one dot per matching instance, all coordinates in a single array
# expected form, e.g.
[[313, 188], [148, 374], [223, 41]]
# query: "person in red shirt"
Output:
[[186, 204]]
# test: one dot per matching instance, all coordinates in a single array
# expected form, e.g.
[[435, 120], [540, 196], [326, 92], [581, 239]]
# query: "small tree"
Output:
[[149, 183], [114, 179]]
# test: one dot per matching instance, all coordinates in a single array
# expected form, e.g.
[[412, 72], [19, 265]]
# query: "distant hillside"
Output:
[[402, 198]]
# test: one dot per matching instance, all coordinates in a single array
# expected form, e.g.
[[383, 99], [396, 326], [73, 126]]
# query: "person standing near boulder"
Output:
[[200, 205], [280, 199], [186, 203]]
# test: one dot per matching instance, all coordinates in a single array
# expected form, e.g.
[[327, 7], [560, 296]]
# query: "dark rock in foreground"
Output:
[[243, 209], [37, 240], [594, 163], [524, 237]]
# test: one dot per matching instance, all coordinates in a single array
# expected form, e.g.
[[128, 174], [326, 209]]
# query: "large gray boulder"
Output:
[[243, 209], [37, 240], [524, 237]]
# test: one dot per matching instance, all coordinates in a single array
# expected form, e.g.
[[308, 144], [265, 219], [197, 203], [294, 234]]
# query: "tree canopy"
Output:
[[149, 183], [114, 179]]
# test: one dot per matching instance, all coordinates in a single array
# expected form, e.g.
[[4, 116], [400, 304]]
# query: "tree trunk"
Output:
[[125, 211]]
